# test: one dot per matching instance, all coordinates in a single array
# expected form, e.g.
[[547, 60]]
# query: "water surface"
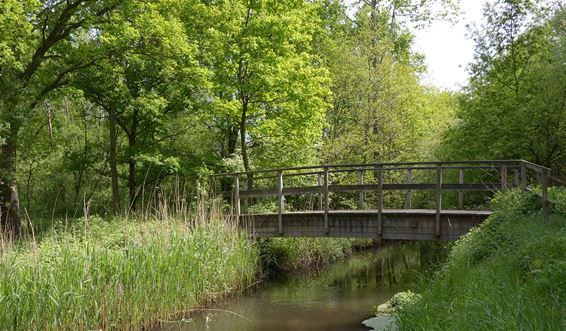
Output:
[[338, 298]]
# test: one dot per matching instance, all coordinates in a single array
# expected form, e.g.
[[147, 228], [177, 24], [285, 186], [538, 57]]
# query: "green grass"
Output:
[[507, 274], [121, 274], [302, 254]]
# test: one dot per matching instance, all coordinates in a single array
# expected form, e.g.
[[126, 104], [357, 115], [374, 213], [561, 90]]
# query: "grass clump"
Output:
[[507, 274], [121, 274], [291, 254]]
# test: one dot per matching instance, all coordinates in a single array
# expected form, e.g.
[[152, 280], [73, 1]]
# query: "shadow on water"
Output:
[[338, 298]]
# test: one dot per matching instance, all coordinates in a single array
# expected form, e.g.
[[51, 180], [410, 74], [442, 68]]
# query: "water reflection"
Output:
[[338, 298]]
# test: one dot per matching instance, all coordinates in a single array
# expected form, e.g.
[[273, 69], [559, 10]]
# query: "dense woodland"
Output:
[[103, 101]]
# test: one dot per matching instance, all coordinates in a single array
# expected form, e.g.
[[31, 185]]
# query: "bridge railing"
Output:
[[511, 173]]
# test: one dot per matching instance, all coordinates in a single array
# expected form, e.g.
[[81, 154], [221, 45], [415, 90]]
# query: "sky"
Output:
[[448, 48]]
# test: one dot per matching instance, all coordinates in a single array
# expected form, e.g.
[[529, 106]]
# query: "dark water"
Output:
[[339, 298]]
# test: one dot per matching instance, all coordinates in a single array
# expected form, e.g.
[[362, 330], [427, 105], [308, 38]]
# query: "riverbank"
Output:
[[507, 274], [124, 273]]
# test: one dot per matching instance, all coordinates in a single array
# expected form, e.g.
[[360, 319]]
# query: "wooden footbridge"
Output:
[[404, 201]]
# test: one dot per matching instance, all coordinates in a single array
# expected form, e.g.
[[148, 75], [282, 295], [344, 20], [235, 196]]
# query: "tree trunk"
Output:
[[9, 200], [112, 157], [245, 157]]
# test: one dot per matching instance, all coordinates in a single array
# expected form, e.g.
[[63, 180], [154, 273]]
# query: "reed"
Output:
[[124, 273]]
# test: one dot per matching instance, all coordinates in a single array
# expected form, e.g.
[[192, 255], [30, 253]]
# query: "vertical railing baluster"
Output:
[[362, 195], [380, 203], [545, 174], [237, 196], [438, 199], [504, 173], [326, 206], [280, 201], [461, 192], [523, 175], [410, 192], [320, 195]]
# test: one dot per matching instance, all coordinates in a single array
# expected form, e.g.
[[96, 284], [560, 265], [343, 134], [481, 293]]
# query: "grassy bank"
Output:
[[508, 274], [302, 254], [121, 274]]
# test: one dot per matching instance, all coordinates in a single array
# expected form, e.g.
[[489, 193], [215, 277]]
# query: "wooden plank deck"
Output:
[[400, 224]]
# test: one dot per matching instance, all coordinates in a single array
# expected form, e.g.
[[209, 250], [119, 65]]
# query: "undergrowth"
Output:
[[509, 273], [121, 274]]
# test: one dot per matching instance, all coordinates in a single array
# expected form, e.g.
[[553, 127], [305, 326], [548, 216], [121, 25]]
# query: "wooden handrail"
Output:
[[324, 187], [374, 166]]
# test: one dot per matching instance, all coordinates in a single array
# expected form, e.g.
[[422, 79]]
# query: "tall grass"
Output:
[[507, 274], [303, 254], [121, 274]]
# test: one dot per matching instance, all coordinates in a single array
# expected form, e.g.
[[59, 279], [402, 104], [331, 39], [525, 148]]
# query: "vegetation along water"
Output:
[[117, 116]]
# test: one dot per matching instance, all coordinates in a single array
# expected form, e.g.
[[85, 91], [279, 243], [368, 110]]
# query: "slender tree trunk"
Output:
[[245, 157], [112, 157], [9, 200]]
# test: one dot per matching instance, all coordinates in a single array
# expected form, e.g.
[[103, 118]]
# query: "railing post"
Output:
[[280, 201], [504, 173], [326, 206], [362, 197], [320, 195], [461, 192], [237, 196], [380, 203], [438, 199], [246, 201], [544, 174], [523, 183], [410, 192]]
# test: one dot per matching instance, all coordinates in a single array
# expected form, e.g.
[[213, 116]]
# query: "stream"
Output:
[[337, 298]]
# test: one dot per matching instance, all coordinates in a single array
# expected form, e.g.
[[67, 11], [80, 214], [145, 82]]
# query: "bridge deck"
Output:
[[400, 224]]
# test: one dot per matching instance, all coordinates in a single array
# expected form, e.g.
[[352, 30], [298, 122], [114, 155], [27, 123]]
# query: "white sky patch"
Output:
[[447, 47]]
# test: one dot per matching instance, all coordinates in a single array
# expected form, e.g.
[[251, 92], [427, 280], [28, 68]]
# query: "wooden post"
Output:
[[320, 195], [523, 175], [438, 199], [544, 179], [237, 196], [362, 197], [410, 192], [326, 206], [461, 193], [245, 201], [504, 173], [280, 201], [380, 203]]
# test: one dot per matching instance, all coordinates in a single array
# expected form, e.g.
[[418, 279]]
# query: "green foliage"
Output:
[[404, 299], [506, 274], [513, 107], [290, 254]]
